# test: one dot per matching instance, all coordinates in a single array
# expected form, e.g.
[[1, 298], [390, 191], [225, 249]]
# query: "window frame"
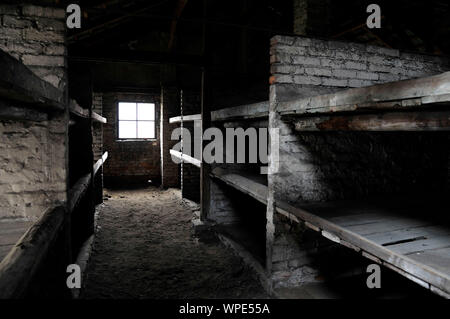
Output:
[[118, 120]]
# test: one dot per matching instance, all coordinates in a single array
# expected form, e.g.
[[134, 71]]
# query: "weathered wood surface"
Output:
[[98, 118], [398, 121], [77, 192], [400, 95], [19, 83], [9, 111], [19, 266], [186, 158], [100, 162], [387, 235], [185, 118], [361, 236], [77, 110], [242, 183], [249, 111]]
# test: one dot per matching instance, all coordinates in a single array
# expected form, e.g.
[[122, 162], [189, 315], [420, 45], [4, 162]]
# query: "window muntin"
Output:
[[136, 120]]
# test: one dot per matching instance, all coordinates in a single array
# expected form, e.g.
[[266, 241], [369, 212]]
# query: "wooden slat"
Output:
[[19, 83], [244, 184], [249, 111], [100, 162], [185, 118], [400, 95], [98, 118], [19, 266], [400, 121], [186, 158], [77, 110], [421, 271]]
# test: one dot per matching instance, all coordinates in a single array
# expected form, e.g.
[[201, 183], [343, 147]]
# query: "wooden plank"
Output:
[[419, 270], [186, 118], [436, 258], [98, 118], [20, 84], [248, 111], [399, 95], [400, 121], [77, 192], [422, 245], [77, 110], [244, 184], [186, 158], [10, 111], [408, 233], [100, 162], [19, 266]]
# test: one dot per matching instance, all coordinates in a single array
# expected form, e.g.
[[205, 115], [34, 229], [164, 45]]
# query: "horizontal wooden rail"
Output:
[[20, 265], [100, 162], [98, 118], [242, 112], [19, 83], [77, 110], [185, 118], [400, 95], [77, 192], [186, 158], [393, 121]]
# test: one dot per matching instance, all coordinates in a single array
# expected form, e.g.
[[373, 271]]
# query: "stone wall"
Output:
[[33, 156], [325, 166]]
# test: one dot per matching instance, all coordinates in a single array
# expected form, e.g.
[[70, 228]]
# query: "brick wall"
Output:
[[170, 107], [33, 156], [129, 161], [326, 166], [97, 131]]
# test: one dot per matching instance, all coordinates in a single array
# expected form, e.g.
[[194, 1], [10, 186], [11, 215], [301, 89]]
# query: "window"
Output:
[[136, 120]]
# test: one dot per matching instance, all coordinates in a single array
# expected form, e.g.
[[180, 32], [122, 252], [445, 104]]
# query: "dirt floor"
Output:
[[144, 248]]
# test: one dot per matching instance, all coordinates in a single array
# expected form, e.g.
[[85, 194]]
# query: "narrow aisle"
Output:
[[144, 249]]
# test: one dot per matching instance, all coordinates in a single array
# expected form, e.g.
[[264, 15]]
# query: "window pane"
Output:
[[146, 111], [127, 111], [127, 129], [146, 129]]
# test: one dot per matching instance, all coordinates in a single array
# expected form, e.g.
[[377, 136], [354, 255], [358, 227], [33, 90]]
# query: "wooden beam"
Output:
[[21, 264], [77, 192], [18, 83], [185, 118], [395, 121], [186, 158], [248, 111], [77, 110], [9, 111], [400, 95], [242, 183], [100, 162], [98, 118]]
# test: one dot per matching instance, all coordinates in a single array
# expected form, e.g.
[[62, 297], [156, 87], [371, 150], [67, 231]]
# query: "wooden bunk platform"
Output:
[[397, 235], [421, 104]]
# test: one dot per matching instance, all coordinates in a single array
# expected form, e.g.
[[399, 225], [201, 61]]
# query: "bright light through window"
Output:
[[136, 120]]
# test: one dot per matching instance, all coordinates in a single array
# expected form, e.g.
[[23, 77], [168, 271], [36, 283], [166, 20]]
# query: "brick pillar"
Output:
[[169, 107]]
